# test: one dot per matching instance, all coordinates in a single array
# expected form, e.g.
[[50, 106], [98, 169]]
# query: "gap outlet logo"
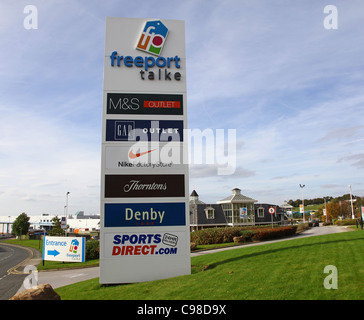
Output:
[[144, 130], [145, 214], [153, 37]]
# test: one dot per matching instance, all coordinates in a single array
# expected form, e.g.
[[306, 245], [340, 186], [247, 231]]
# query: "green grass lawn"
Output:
[[292, 269]]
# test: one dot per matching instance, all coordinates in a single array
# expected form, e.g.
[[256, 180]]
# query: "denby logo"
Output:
[[153, 37], [145, 214]]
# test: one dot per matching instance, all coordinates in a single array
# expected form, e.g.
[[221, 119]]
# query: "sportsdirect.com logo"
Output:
[[153, 37], [145, 244]]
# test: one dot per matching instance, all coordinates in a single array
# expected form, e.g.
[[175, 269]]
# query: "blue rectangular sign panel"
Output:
[[145, 214], [144, 130]]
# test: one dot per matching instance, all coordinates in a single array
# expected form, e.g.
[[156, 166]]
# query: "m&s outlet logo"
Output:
[[153, 37]]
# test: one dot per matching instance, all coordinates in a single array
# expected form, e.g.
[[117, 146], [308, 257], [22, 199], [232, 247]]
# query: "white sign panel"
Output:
[[70, 249], [64, 223], [130, 70], [144, 230], [162, 157]]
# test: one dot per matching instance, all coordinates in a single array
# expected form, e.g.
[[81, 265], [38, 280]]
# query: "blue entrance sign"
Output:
[[71, 249]]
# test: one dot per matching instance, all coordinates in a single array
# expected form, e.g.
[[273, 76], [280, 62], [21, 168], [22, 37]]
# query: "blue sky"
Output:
[[292, 89]]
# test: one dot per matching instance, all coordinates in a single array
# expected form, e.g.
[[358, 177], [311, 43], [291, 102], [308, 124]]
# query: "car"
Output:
[[315, 223]]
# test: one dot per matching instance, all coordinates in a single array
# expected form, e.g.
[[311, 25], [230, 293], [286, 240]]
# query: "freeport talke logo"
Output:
[[153, 37]]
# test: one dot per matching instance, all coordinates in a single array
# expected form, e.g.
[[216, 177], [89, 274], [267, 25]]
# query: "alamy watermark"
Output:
[[331, 21], [331, 281], [197, 147], [31, 281], [31, 19]]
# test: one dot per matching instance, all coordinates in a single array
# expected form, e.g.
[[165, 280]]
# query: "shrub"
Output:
[[92, 249], [242, 234], [346, 222], [215, 235], [303, 226], [275, 233], [247, 234]]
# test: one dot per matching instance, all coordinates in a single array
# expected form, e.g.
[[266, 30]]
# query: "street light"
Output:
[[352, 208], [66, 207], [303, 205]]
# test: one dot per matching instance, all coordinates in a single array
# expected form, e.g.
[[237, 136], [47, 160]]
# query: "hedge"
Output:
[[224, 235], [346, 222], [92, 249], [274, 233], [215, 235]]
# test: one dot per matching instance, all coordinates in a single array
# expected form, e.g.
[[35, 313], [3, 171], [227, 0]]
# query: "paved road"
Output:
[[10, 256], [65, 277]]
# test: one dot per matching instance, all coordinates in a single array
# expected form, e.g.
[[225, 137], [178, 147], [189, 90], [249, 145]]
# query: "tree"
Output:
[[337, 209], [357, 206], [320, 213], [57, 229], [21, 225]]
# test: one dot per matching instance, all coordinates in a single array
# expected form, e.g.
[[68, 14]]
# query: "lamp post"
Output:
[[303, 205], [66, 207], [351, 200]]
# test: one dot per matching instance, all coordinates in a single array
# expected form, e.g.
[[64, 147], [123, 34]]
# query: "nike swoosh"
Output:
[[137, 155]]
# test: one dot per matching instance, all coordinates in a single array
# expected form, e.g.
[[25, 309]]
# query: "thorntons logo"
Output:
[[136, 185], [144, 186], [145, 214]]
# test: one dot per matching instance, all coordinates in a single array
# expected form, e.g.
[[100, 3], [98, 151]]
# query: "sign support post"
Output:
[[272, 211]]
